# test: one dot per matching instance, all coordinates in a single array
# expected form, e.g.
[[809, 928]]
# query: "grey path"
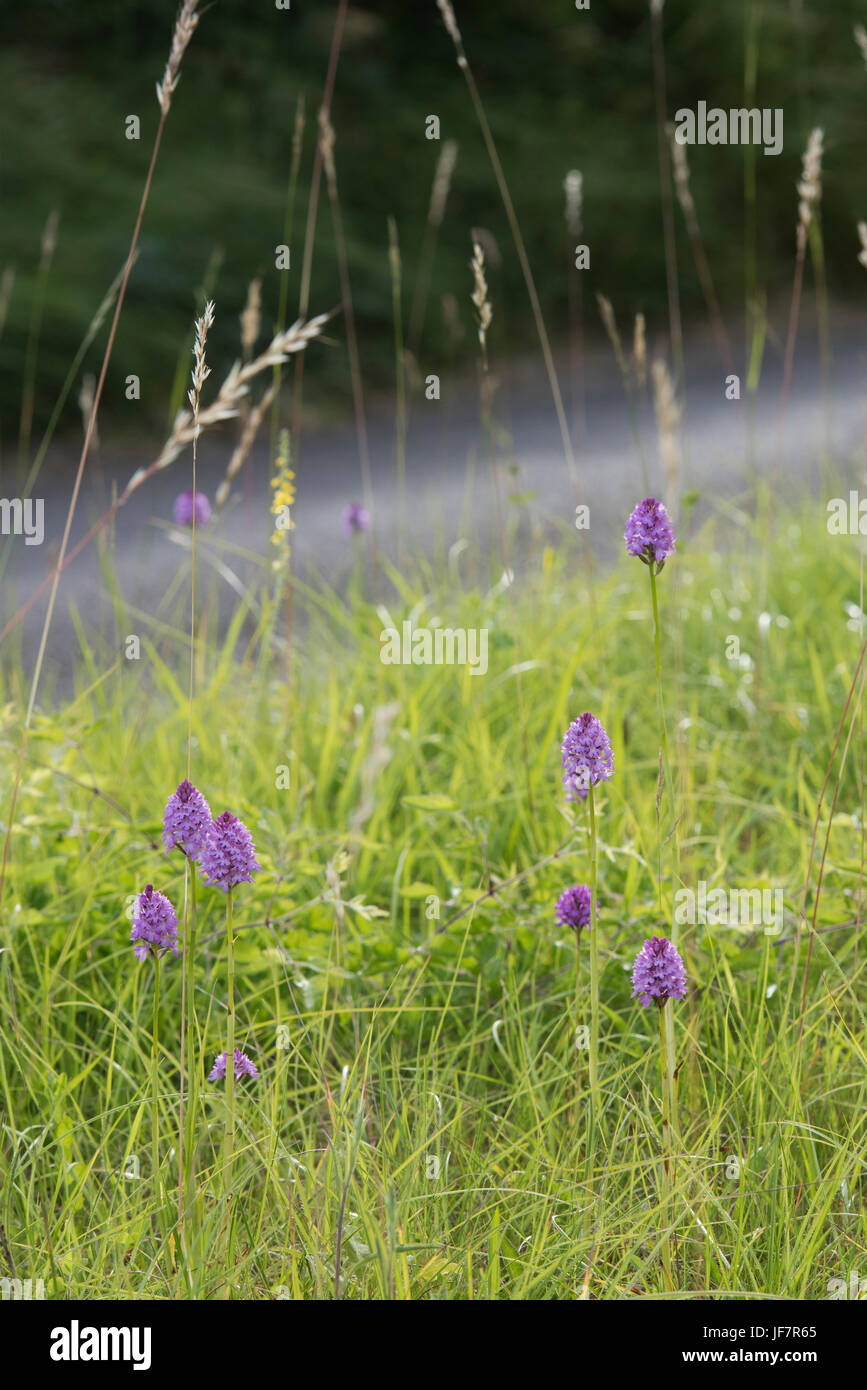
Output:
[[443, 436]]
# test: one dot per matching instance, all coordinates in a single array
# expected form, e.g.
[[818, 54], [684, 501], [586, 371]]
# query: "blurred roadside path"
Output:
[[446, 501]]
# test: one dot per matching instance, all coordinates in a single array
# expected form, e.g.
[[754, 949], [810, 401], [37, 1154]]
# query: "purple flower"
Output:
[[573, 907], [243, 1067], [658, 973], [190, 505], [355, 518], [587, 756], [649, 533], [186, 820], [228, 854], [154, 925]]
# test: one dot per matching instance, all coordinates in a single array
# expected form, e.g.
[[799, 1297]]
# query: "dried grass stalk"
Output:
[[233, 390], [480, 293], [810, 186], [185, 27]]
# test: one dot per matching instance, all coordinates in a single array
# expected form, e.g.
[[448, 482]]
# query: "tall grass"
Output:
[[441, 1037]]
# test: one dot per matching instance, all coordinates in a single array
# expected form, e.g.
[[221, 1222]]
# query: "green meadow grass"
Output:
[[419, 1127]]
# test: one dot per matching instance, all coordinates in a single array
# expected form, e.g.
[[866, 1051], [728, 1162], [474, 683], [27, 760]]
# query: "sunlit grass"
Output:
[[418, 1129]]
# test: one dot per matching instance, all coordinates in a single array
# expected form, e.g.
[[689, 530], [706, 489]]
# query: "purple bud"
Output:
[[228, 854], [191, 505], [658, 974], [154, 925], [243, 1067], [573, 907], [186, 820], [355, 518], [587, 756], [649, 533]]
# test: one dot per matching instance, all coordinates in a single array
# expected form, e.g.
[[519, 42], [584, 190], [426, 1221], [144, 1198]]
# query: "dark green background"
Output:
[[562, 89]]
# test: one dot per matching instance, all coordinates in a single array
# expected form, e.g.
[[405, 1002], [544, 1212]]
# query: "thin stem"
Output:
[[312, 209], [666, 762], [520, 248], [191, 1030], [666, 1058], [657, 653], [229, 1143], [155, 1102], [674, 322], [288, 219], [49, 242], [594, 971], [400, 369]]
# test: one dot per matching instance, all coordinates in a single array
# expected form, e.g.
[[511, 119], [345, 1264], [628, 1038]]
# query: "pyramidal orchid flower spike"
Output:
[[243, 1067], [154, 925], [186, 820], [658, 974], [228, 854], [649, 534], [586, 755], [573, 907]]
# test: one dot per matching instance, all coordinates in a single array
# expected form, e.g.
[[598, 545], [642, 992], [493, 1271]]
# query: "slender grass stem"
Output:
[[400, 369]]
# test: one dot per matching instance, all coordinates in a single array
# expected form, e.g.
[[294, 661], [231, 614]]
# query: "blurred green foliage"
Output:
[[562, 89]]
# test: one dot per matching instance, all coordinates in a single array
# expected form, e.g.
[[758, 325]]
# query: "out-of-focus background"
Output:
[[562, 89]]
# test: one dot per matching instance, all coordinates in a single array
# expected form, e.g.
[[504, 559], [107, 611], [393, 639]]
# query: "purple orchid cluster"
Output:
[[223, 849], [649, 533], [587, 760]]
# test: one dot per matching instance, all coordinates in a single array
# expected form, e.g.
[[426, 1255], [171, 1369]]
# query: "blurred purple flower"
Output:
[[228, 854], [186, 820], [658, 974], [573, 907], [189, 505], [355, 518], [243, 1067], [649, 533], [154, 925], [587, 756]]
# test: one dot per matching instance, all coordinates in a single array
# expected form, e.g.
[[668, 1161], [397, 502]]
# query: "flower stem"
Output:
[[594, 971], [229, 1142], [155, 1102], [193, 1051], [658, 657], [663, 734], [669, 1129]]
